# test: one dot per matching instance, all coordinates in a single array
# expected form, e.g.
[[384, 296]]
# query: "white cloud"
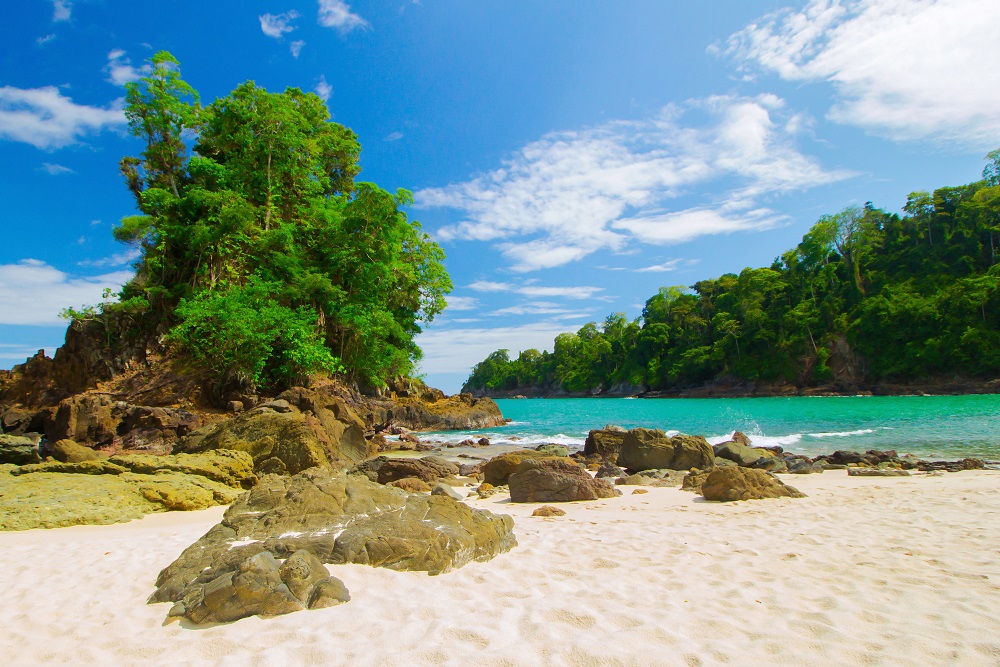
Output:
[[458, 350], [46, 119], [55, 169], [119, 68], [536, 290], [32, 292], [296, 47], [393, 136], [276, 25], [462, 302], [906, 69], [41, 41], [118, 259], [541, 308], [337, 14], [669, 265], [572, 193], [61, 10], [323, 89]]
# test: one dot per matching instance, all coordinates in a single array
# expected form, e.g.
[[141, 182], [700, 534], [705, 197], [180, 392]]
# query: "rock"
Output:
[[634, 480], [278, 405], [608, 469], [728, 484], [644, 448], [952, 466], [56, 494], [655, 478], [552, 450], [486, 490], [411, 484], [694, 479], [548, 510], [86, 418], [18, 449], [556, 480], [876, 472], [804, 467], [636, 492], [426, 409], [410, 438], [340, 519], [741, 439], [328, 593], [770, 464], [605, 443], [469, 469], [483, 442], [154, 429], [427, 468], [234, 406], [442, 489], [69, 451], [301, 572], [19, 421], [497, 470], [741, 454], [285, 443], [719, 461]]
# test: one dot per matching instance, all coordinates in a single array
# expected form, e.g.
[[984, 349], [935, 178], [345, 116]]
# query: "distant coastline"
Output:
[[734, 388]]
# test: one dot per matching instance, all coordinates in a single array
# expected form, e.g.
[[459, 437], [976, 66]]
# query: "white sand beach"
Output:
[[865, 571]]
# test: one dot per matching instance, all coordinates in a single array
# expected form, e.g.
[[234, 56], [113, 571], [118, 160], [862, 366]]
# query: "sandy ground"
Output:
[[875, 571]]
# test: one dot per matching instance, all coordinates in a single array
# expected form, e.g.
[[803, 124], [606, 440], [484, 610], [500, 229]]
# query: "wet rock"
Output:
[[483, 442], [742, 439], [741, 454], [18, 449], [738, 483], [604, 443], [556, 480], [340, 519], [548, 510], [643, 449]]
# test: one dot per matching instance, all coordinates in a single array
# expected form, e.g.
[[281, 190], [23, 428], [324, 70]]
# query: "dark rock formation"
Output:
[[643, 449], [556, 480], [497, 470], [340, 519], [737, 483]]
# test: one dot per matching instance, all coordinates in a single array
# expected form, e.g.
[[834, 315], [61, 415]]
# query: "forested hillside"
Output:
[[261, 260], [868, 296]]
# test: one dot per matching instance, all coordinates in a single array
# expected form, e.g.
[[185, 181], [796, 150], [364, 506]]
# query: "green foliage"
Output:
[[267, 197], [245, 336], [914, 297]]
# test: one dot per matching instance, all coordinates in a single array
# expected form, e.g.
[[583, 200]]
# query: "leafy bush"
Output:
[[249, 339]]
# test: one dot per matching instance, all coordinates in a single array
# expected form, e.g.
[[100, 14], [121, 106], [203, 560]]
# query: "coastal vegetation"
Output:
[[261, 258], [867, 296]]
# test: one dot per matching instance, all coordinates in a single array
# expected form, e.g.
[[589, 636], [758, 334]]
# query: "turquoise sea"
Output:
[[932, 427]]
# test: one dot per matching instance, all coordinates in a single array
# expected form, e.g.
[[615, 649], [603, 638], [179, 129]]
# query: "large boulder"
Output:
[[260, 586], [738, 483], [645, 449], [86, 418], [497, 470], [604, 442], [283, 443], [340, 519], [122, 488], [556, 480], [420, 408], [428, 469], [18, 449]]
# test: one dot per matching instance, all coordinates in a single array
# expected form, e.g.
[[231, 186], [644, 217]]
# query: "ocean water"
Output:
[[931, 427]]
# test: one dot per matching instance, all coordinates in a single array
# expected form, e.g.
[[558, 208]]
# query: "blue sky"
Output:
[[570, 156]]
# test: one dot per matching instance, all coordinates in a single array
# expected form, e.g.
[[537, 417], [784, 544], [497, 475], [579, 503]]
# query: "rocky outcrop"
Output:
[[287, 442], [645, 449], [741, 454], [19, 449], [338, 518], [260, 586], [737, 483], [604, 443], [417, 407], [385, 470], [121, 488], [556, 480]]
